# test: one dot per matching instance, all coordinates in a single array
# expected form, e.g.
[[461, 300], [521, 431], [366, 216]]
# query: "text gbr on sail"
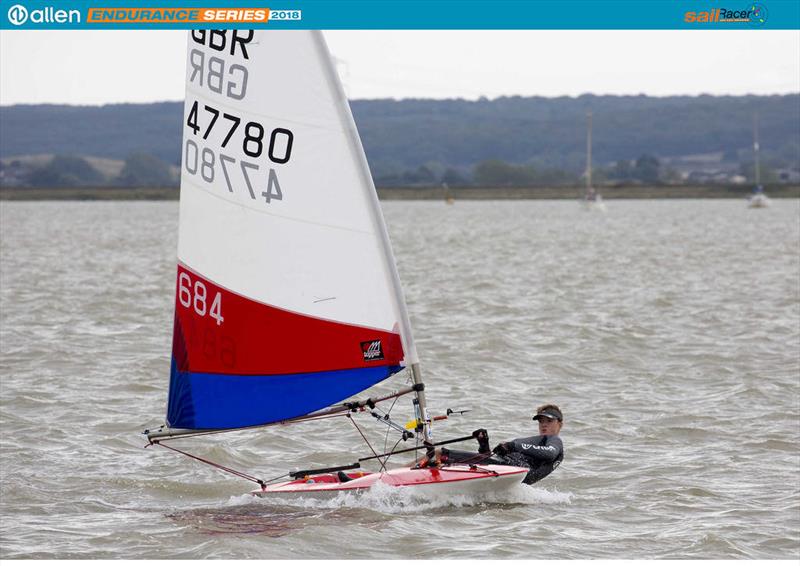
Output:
[[211, 71]]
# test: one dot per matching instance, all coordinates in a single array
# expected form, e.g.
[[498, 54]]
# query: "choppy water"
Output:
[[669, 332]]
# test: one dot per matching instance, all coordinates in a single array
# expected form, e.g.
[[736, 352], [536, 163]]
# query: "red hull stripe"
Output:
[[220, 331]]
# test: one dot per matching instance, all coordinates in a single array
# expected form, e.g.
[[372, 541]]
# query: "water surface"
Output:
[[668, 331]]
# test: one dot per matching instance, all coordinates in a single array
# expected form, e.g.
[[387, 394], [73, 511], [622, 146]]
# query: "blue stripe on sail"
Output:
[[210, 401]]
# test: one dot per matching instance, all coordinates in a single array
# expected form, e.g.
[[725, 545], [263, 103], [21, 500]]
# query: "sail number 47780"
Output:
[[196, 296], [211, 165]]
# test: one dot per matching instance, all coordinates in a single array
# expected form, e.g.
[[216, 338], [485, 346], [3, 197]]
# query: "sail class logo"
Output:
[[755, 14], [19, 15], [372, 350]]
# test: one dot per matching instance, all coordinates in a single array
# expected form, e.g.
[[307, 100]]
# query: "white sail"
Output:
[[283, 250]]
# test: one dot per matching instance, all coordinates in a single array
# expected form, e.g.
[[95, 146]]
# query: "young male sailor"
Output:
[[541, 454]]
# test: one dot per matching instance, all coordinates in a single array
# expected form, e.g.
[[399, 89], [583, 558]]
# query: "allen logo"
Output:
[[18, 15], [372, 350]]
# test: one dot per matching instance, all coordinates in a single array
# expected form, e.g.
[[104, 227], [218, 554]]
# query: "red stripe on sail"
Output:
[[219, 331]]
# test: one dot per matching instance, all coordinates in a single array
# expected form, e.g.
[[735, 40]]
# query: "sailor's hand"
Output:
[[501, 449], [480, 434]]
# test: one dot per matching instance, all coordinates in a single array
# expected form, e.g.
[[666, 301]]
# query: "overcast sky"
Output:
[[99, 67]]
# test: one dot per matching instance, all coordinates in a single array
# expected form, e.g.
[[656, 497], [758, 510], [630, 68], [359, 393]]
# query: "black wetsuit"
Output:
[[540, 454]]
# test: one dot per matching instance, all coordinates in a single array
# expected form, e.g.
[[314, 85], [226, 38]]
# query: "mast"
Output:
[[380, 227], [588, 152], [756, 149]]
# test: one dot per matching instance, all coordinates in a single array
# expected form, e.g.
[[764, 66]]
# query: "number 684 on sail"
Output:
[[194, 295]]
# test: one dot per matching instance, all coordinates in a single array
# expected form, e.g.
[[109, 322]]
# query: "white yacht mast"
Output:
[[756, 149], [588, 152]]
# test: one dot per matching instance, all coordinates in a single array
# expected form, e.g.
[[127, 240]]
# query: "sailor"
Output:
[[541, 454]]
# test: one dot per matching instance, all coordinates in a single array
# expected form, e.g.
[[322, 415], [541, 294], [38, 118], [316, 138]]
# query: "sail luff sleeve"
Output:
[[357, 150], [390, 265]]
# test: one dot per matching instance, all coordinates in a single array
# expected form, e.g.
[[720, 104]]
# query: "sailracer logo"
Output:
[[372, 350], [754, 14]]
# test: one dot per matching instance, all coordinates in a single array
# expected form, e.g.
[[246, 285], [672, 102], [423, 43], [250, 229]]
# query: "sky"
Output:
[[102, 67]]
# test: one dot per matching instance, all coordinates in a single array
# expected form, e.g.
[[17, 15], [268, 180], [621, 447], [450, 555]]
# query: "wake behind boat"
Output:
[[288, 299]]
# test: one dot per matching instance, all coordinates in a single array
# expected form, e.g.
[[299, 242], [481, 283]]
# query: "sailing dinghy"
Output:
[[592, 199], [758, 198], [288, 301]]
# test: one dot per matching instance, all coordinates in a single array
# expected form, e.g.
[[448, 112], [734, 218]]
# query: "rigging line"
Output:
[[428, 446], [416, 449], [386, 438], [391, 408], [276, 478], [383, 466], [215, 465], [393, 447]]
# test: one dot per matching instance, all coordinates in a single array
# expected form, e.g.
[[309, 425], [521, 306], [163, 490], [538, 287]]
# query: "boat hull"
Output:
[[456, 480], [596, 205]]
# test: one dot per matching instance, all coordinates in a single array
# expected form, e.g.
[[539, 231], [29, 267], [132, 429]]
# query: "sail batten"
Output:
[[287, 296]]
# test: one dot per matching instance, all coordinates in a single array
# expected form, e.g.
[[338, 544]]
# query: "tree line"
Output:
[[145, 170], [139, 170], [508, 140]]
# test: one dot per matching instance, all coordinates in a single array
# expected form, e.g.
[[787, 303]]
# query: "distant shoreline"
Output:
[[423, 193]]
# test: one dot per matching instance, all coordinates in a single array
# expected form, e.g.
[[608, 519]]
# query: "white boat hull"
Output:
[[758, 201], [449, 480]]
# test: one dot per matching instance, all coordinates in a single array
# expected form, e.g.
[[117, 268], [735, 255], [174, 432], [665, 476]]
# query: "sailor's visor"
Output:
[[549, 415]]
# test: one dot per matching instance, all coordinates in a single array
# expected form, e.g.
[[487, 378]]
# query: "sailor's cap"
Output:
[[550, 413]]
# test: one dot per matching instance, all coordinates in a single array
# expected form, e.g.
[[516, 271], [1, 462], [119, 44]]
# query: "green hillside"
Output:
[[430, 141]]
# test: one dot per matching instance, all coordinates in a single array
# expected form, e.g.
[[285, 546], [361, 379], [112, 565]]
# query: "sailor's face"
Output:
[[548, 426]]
